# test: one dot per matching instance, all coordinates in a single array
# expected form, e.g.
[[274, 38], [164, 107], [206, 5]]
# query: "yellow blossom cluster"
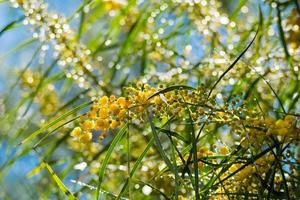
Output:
[[260, 166], [46, 96], [53, 28], [257, 134], [284, 127], [111, 112], [202, 153], [259, 130], [245, 179], [48, 100], [29, 79]]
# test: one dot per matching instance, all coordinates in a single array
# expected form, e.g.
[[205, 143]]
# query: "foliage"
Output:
[[178, 99]]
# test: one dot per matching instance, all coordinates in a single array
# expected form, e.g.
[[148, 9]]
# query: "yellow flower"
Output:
[[86, 137], [203, 150], [224, 150], [200, 164], [122, 101], [112, 98], [245, 143], [103, 100], [102, 124], [92, 114], [114, 124], [114, 108], [271, 158], [29, 79], [289, 119], [141, 97], [281, 124], [103, 113], [76, 132], [122, 114], [88, 125], [158, 101]]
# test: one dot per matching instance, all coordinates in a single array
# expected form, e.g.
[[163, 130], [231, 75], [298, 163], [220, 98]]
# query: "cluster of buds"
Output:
[[111, 112], [245, 179], [259, 130], [47, 98], [285, 128], [54, 29]]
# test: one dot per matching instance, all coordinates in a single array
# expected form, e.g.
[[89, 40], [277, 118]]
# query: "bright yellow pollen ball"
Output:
[[103, 100], [114, 124], [121, 101], [76, 132], [88, 125], [114, 108], [86, 137]]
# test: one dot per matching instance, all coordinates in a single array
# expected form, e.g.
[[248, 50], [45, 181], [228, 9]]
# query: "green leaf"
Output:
[[135, 166], [10, 25], [173, 134], [59, 183], [50, 124], [159, 146], [233, 64], [113, 144], [26, 43], [36, 170]]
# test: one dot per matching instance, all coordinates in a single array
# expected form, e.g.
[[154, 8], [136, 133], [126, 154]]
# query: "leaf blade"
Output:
[[52, 123], [115, 141]]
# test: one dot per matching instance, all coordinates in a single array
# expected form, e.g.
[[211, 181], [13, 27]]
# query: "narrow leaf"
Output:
[[112, 146], [59, 183], [49, 125]]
